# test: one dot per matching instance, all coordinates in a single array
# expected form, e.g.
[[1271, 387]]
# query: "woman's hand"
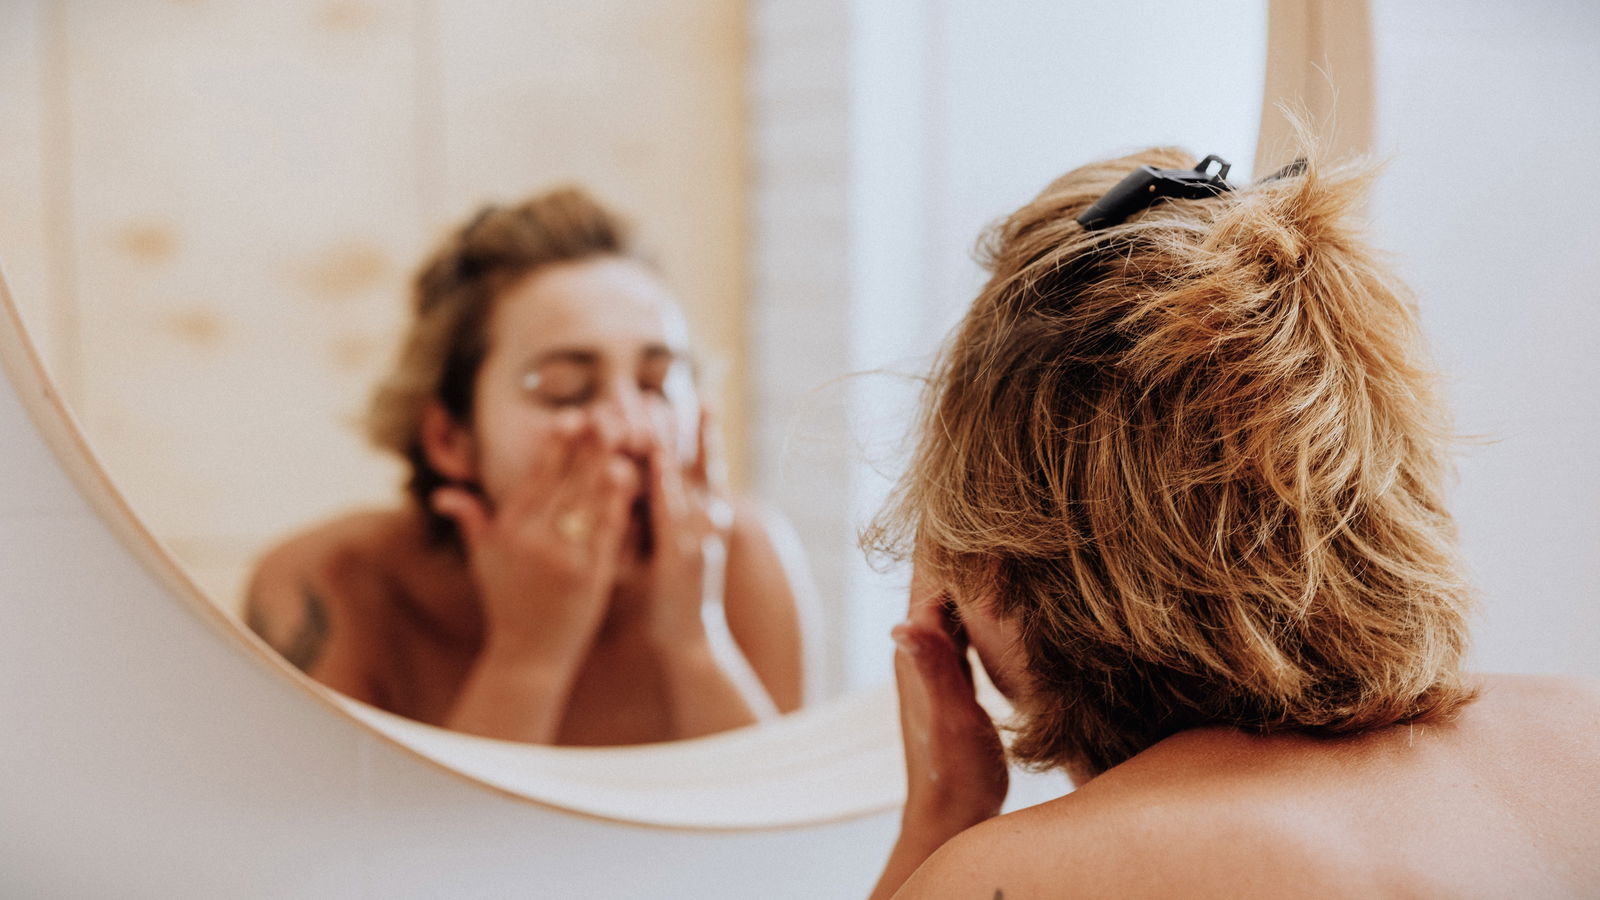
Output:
[[679, 604], [544, 560], [545, 557], [956, 775], [955, 764], [690, 518]]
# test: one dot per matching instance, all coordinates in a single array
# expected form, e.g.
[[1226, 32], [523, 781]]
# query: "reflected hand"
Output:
[[545, 558], [690, 518], [955, 763]]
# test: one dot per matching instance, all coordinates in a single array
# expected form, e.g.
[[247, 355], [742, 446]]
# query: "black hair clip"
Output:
[[1148, 184], [1292, 170]]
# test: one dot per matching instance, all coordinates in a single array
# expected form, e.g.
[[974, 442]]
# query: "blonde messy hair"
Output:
[[1197, 459]]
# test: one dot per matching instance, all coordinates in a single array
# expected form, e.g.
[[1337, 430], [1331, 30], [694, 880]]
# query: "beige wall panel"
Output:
[[643, 102], [1319, 65], [25, 225], [250, 186], [242, 228]]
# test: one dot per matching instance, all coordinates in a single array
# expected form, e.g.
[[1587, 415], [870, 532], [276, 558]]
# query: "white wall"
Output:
[[887, 136], [1014, 95], [1489, 117]]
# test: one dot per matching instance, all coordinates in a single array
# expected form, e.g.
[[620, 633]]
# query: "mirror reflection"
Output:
[[569, 566], [215, 216]]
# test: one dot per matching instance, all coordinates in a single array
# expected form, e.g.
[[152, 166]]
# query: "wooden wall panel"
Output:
[[242, 228], [212, 211]]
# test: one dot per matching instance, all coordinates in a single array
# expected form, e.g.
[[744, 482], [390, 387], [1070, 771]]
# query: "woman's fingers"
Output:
[[571, 429], [615, 486], [938, 665], [581, 455], [546, 471], [623, 485], [955, 762], [700, 468], [707, 475], [591, 504], [933, 609], [668, 501], [710, 467], [935, 650]]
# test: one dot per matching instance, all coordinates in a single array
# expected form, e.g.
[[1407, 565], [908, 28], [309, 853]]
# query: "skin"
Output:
[[1499, 802], [589, 495]]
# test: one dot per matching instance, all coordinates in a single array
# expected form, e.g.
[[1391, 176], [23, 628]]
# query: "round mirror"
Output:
[[237, 202]]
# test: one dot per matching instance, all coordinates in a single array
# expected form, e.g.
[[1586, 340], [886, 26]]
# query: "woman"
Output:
[[568, 566], [1181, 486]]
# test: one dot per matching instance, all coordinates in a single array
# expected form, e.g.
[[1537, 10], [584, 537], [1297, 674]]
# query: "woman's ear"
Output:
[[448, 444]]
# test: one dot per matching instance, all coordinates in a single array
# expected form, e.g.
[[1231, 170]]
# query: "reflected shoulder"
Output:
[[761, 536], [340, 550], [770, 603], [752, 518], [361, 527], [308, 593]]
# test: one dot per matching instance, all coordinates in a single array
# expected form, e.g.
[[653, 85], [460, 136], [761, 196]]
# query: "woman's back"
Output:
[[1504, 801]]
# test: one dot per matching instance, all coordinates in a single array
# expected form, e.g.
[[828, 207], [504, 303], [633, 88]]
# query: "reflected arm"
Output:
[[749, 665], [515, 694], [771, 603], [707, 694]]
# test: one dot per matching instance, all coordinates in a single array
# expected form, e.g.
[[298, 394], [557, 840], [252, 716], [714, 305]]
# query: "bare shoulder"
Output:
[[1550, 723], [762, 529], [1548, 692], [1129, 844], [343, 534], [770, 601], [338, 550], [307, 596], [1021, 854], [1066, 848]]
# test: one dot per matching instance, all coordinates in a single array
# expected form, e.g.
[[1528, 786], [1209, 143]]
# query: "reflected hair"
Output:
[[1197, 459], [453, 301]]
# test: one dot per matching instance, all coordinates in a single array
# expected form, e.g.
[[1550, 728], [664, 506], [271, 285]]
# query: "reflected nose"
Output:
[[625, 418]]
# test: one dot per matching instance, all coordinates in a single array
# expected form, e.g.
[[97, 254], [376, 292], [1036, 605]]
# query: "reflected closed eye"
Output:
[[560, 383], [658, 372]]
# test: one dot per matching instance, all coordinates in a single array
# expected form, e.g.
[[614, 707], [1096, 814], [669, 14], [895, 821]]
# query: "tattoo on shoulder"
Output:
[[304, 647]]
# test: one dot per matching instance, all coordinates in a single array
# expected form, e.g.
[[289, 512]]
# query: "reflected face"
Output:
[[600, 340]]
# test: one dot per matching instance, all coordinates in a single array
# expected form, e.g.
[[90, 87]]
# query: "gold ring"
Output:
[[574, 525]]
